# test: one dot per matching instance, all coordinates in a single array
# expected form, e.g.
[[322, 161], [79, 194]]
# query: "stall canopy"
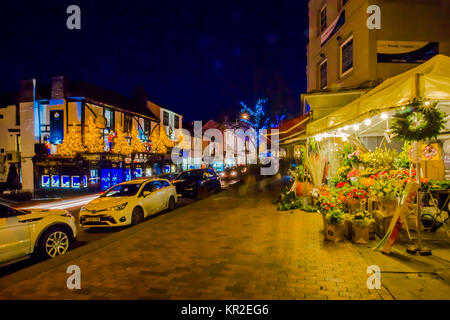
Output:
[[430, 80]]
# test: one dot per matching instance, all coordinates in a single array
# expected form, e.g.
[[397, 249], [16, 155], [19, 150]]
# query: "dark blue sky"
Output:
[[198, 58]]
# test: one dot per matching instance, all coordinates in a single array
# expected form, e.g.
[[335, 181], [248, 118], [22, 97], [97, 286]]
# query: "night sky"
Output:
[[198, 58]]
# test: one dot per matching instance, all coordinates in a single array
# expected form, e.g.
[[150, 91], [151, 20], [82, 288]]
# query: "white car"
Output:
[[129, 203], [24, 232]]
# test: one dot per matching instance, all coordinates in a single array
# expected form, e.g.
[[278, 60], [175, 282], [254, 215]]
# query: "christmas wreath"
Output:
[[418, 121]]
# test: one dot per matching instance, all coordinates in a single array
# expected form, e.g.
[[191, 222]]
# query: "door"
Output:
[[149, 194], [14, 235], [165, 194], [160, 198]]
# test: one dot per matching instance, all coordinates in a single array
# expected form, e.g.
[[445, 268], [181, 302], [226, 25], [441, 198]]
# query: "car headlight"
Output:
[[233, 173], [222, 174], [119, 207]]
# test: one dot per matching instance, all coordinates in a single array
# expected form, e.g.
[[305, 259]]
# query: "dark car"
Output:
[[230, 174], [197, 183], [169, 176]]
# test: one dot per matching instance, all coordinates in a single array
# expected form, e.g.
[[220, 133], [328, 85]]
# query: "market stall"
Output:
[[372, 166]]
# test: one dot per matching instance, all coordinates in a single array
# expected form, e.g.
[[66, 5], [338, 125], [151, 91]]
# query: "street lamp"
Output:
[[244, 116]]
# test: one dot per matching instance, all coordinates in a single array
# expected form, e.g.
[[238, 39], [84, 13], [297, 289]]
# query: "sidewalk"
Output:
[[234, 245]]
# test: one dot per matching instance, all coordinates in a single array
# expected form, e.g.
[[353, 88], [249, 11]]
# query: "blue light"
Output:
[[65, 181], [55, 181], [76, 182], [45, 181]]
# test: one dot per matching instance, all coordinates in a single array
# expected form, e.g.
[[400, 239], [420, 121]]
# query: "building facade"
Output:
[[36, 125], [345, 58]]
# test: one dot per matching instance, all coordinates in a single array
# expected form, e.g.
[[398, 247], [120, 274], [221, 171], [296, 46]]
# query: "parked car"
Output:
[[197, 183], [39, 232], [129, 203], [168, 176]]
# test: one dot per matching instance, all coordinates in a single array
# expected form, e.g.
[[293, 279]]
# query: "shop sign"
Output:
[[406, 51]]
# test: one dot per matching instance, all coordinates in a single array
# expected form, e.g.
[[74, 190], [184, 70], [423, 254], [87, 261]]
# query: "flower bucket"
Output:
[[348, 230], [335, 232], [372, 231], [360, 234], [388, 207]]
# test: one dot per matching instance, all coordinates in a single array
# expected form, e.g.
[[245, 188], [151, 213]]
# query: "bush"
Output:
[[18, 196]]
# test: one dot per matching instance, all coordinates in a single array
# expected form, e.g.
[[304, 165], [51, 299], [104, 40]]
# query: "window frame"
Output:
[[341, 46], [324, 8], [324, 61], [164, 118]]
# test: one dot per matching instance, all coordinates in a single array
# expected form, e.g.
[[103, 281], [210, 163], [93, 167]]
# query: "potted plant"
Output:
[[386, 190], [334, 229], [361, 222]]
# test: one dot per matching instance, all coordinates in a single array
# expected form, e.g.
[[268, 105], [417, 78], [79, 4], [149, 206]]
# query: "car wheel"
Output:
[[54, 242], [171, 204], [137, 216]]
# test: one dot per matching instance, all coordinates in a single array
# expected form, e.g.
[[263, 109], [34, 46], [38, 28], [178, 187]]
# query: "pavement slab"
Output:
[[234, 245]]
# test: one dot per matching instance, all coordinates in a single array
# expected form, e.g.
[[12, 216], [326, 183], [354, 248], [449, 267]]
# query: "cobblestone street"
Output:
[[234, 245]]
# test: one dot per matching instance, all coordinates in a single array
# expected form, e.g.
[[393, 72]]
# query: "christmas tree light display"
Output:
[[160, 141], [121, 145], [71, 144], [93, 138], [136, 143]]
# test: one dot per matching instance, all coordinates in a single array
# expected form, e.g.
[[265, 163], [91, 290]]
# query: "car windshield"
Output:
[[123, 190], [190, 174]]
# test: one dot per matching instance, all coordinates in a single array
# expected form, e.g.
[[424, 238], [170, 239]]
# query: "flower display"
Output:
[[362, 218], [335, 216]]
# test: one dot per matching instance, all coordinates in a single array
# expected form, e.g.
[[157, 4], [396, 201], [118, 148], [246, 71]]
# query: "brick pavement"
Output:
[[230, 246]]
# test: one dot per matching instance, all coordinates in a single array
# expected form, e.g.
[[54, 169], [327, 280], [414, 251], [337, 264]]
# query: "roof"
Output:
[[292, 128], [430, 80]]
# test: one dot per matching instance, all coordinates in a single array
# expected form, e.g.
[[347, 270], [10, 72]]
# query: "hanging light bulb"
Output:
[[367, 122], [384, 116], [427, 103], [339, 129], [356, 127], [346, 128]]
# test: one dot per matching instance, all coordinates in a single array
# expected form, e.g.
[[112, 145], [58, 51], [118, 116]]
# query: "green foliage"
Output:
[[362, 218], [309, 208], [335, 216], [289, 201], [402, 161], [418, 121], [344, 155], [379, 160]]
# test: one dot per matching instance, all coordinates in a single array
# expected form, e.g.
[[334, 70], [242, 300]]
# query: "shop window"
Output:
[[114, 176], [45, 181], [177, 122], [65, 181], [323, 18], [138, 172], [165, 118], [105, 179], [55, 181], [148, 172], [76, 182], [346, 60], [127, 174], [85, 182], [93, 179], [323, 74]]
